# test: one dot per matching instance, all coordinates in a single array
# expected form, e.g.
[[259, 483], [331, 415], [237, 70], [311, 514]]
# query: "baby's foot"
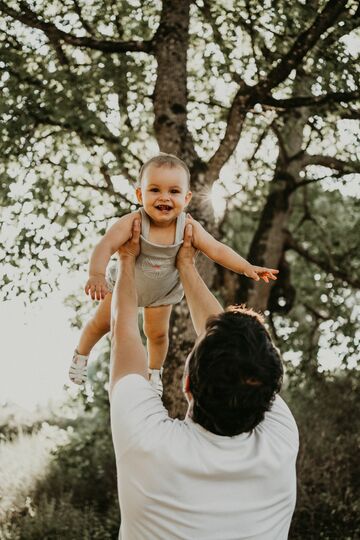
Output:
[[155, 379], [78, 368]]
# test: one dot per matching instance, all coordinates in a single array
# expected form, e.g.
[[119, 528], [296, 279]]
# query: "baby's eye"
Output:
[[154, 189], [175, 191]]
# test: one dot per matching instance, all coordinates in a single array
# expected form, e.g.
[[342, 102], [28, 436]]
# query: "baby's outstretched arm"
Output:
[[227, 257], [115, 237]]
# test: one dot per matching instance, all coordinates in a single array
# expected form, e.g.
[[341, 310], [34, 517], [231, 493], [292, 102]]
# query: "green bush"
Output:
[[58, 519], [328, 415], [86, 466], [77, 498]]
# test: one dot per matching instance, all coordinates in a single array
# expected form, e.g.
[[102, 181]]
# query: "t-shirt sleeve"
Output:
[[282, 423], [135, 410]]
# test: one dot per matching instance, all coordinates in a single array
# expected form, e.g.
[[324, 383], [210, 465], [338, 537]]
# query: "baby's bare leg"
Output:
[[156, 329], [96, 328]]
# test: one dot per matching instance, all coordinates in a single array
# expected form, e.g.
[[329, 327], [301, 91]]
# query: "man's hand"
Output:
[[131, 248], [187, 252], [96, 287], [259, 272]]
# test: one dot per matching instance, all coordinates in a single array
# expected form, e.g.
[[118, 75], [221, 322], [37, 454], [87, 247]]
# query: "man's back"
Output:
[[177, 480]]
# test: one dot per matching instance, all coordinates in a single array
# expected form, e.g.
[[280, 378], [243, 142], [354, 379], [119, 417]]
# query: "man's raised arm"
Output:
[[127, 351], [202, 303]]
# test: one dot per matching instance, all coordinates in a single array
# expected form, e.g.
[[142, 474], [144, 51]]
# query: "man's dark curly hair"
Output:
[[235, 372]]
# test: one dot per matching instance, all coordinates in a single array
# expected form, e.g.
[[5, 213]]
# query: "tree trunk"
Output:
[[268, 244], [173, 136], [182, 335], [170, 93]]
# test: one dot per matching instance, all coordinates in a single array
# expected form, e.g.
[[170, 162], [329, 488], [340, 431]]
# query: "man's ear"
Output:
[[186, 388], [139, 195], [188, 197]]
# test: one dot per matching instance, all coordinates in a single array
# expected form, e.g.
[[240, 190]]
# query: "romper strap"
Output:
[[145, 223], [180, 226]]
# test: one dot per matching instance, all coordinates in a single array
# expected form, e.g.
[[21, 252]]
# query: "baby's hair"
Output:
[[162, 159]]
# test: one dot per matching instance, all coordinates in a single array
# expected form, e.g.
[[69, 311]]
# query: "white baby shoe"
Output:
[[78, 368]]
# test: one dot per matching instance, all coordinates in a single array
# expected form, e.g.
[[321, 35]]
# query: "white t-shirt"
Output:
[[177, 480]]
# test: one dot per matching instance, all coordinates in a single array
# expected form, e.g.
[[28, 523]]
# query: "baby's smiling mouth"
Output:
[[163, 207]]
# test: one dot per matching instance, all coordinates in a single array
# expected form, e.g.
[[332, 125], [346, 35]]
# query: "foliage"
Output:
[[14, 422], [76, 496], [71, 493], [23, 462], [328, 468], [55, 519]]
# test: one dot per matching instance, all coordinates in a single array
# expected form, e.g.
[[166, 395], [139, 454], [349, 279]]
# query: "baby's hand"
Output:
[[259, 272], [96, 287]]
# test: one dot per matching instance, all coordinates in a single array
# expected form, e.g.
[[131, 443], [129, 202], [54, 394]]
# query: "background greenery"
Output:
[[262, 101], [74, 495]]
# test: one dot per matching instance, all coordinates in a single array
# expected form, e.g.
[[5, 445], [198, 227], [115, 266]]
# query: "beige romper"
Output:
[[157, 279]]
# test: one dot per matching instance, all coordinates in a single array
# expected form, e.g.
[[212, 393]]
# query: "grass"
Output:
[[23, 462]]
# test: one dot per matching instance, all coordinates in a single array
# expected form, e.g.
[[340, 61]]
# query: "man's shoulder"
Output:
[[137, 413], [132, 391], [280, 422]]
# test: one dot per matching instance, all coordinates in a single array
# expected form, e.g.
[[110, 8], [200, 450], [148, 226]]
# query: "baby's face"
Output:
[[164, 193]]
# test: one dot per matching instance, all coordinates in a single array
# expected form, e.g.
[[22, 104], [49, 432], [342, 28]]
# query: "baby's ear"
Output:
[[139, 194], [188, 197]]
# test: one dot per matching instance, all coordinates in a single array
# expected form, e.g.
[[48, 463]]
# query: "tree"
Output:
[[90, 90]]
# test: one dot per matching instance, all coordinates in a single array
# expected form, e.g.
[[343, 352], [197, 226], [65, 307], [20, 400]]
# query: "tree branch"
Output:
[[252, 35], [282, 148], [11, 40], [59, 52], [83, 21], [110, 186], [206, 9], [350, 22], [30, 19], [42, 116], [309, 181], [315, 313], [234, 125], [301, 46], [308, 101], [349, 114], [104, 189], [345, 167], [22, 76], [247, 96], [219, 40], [259, 143], [329, 268]]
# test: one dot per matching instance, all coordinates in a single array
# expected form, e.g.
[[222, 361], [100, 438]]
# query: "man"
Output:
[[228, 470]]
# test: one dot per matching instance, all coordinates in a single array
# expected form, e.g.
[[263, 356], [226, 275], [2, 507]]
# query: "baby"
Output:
[[164, 194]]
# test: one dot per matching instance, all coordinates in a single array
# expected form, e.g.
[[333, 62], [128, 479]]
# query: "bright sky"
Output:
[[37, 345]]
